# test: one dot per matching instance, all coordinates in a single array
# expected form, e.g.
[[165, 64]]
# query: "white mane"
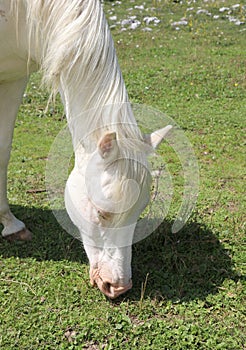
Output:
[[71, 42], [74, 49], [64, 34]]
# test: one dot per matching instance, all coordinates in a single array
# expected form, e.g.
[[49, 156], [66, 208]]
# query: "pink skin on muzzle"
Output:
[[111, 290]]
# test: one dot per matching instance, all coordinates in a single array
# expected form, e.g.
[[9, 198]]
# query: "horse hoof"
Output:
[[23, 235]]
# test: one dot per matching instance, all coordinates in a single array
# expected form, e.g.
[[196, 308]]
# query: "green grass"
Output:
[[189, 288]]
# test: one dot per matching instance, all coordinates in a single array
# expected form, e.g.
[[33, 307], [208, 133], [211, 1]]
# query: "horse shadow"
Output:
[[49, 241], [183, 266]]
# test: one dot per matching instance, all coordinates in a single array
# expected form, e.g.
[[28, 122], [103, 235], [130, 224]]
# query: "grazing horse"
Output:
[[109, 186]]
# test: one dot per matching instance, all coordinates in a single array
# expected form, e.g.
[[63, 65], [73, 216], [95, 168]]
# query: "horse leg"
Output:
[[10, 100]]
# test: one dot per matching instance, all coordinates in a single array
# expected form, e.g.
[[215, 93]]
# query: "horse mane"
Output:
[[66, 33], [74, 49], [72, 44]]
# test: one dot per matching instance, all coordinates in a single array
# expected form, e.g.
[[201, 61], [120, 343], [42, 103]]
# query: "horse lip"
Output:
[[113, 291]]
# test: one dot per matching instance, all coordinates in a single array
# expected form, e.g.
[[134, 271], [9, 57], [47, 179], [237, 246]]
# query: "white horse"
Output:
[[70, 42]]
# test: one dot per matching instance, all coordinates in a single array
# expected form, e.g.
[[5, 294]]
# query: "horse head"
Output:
[[105, 195]]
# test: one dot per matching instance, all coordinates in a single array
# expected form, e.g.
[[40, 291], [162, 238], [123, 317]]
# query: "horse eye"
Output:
[[104, 215]]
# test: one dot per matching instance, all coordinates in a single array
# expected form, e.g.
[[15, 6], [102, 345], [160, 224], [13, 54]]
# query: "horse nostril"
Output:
[[106, 287]]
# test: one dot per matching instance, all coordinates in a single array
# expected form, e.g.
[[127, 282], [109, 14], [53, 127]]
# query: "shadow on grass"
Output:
[[49, 242], [183, 266]]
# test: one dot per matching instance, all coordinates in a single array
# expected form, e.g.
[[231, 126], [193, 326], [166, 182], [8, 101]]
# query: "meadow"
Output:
[[186, 59]]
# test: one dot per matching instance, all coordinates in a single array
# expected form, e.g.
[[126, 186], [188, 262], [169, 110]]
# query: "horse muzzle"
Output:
[[111, 290]]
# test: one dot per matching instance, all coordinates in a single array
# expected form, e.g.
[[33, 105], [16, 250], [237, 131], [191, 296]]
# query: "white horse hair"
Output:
[[70, 42]]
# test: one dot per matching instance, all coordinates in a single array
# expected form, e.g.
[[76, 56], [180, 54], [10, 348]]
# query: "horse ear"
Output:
[[157, 137], [108, 146]]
